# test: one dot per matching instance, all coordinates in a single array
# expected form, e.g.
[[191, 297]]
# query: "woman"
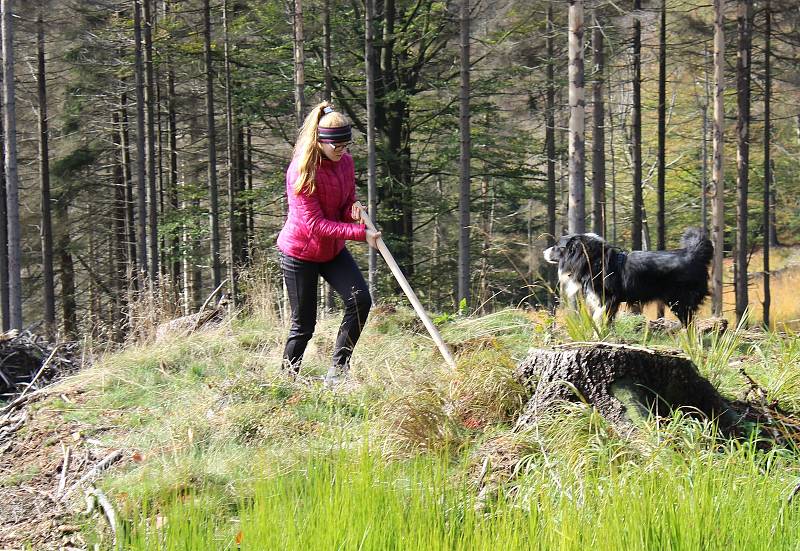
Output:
[[320, 185]]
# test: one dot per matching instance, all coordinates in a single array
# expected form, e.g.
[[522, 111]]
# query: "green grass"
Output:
[[729, 499], [232, 449]]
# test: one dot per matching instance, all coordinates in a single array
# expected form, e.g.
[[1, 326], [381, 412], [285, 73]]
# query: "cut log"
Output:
[[625, 384]]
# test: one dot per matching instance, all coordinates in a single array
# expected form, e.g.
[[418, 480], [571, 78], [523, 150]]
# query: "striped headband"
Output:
[[335, 134]]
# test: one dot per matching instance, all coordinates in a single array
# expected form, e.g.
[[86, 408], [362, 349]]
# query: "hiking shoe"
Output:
[[337, 374]]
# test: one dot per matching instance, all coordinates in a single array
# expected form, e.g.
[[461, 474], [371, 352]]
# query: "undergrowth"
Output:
[[222, 447]]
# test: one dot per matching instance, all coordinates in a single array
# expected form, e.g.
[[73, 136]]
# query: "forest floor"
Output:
[[217, 447]]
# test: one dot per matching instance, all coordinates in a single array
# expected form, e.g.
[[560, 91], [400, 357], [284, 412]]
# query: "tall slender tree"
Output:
[[172, 138], [372, 191], [150, 142], [141, 180], [550, 134], [326, 48], [598, 132], [577, 115], [661, 230], [233, 238], [765, 221], [5, 305], [44, 181], [636, 130], [717, 176], [299, 63], [465, 143], [12, 180], [213, 188], [744, 17]]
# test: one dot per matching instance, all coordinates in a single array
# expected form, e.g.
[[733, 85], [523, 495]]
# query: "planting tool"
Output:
[[412, 297]]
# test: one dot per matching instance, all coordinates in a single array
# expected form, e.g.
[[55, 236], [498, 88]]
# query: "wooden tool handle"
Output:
[[412, 297]]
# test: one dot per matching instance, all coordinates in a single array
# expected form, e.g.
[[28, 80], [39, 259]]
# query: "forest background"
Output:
[[152, 138]]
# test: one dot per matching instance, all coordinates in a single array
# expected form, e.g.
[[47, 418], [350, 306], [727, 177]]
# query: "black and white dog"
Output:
[[607, 276]]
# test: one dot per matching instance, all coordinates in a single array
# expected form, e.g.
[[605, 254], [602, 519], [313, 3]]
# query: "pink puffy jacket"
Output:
[[318, 224]]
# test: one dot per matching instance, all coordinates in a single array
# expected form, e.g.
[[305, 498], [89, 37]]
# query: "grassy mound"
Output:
[[219, 446]]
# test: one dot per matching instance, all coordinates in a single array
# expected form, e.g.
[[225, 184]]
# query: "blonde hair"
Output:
[[307, 150]]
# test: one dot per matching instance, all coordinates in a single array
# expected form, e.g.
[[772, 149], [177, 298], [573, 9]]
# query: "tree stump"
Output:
[[625, 384]]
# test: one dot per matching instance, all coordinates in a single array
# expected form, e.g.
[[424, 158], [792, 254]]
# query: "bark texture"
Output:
[[625, 384]]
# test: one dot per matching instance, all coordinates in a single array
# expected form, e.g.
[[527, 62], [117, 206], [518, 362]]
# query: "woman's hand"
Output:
[[355, 211], [372, 238]]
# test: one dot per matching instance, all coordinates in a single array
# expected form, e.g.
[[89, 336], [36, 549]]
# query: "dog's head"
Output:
[[575, 250]]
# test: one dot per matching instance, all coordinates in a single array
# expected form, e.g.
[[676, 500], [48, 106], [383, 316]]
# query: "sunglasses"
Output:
[[339, 146]]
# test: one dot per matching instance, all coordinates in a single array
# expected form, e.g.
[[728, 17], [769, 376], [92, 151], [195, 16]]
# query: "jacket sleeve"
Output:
[[309, 209]]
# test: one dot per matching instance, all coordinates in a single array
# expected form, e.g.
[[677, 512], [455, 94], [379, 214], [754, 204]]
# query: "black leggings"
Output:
[[301, 277]]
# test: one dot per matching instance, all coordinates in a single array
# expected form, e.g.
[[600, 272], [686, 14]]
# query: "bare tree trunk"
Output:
[[68, 309], [141, 184], [550, 139], [636, 123], [744, 17], [326, 48], [118, 241], [12, 181], [704, 107], [613, 153], [5, 305], [251, 227], [717, 177], [44, 177], [233, 238], [149, 101], [213, 188], [464, 172], [765, 221], [372, 191], [299, 64], [598, 133], [661, 237], [577, 115], [172, 131], [130, 218]]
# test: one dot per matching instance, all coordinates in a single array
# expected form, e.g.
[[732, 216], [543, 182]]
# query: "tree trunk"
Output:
[[149, 101], [119, 237], [704, 152], [326, 48], [464, 172], [12, 181], [550, 140], [626, 385], [233, 237], [213, 188], [69, 313], [48, 283], [661, 237], [172, 131], [130, 218], [372, 191], [5, 305], [717, 176], [141, 184], [636, 130], [765, 221], [598, 133], [744, 18], [577, 115], [299, 64]]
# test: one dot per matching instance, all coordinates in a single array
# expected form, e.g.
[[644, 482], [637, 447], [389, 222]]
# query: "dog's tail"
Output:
[[698, 244]]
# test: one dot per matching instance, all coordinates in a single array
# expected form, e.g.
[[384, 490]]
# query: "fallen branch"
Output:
[[62, 482], [94, 471], [108, 509]]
